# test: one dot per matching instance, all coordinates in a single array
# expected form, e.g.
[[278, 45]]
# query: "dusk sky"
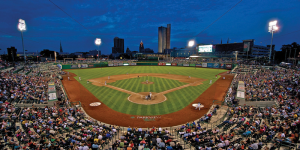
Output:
[[138, 20]]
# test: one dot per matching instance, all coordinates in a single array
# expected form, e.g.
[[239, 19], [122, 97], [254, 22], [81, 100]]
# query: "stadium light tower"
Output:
[[272, 28], [191, 43], [22, 27], [98, 42]]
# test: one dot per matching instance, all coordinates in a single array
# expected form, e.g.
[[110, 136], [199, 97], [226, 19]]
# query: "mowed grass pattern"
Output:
[[118, 100], [160, 84]]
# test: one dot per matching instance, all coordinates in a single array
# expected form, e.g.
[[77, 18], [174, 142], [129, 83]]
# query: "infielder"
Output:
[[150, 95], [108, 77], [105, 82], [189, 77], [80, 78], [210, 82], [69, 78], [198, 106]]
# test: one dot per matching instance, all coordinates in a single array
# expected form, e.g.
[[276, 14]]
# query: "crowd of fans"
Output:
[[63, 126]]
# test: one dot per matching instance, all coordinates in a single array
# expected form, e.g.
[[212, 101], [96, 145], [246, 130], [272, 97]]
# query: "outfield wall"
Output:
[[228, 66]]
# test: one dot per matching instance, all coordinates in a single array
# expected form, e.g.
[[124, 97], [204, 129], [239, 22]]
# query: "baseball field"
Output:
[[124, 91]]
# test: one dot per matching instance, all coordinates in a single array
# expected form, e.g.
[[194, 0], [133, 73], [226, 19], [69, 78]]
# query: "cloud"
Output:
[[275, 10]]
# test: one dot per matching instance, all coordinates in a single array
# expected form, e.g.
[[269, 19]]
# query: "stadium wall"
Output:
[[228, 66]]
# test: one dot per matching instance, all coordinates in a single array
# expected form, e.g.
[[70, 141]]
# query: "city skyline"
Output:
[[47, 25]]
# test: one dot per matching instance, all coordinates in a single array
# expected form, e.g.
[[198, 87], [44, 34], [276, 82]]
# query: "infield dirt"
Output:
[[77, 92]]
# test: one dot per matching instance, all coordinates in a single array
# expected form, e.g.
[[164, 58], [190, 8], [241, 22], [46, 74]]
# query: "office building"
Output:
[[12, 53], [141, 48], [94, 52], [164, 37], [118, 45]]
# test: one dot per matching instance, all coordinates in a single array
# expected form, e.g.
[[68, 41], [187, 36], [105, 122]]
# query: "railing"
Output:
[[77, 104], [212, 125], [64, 91]]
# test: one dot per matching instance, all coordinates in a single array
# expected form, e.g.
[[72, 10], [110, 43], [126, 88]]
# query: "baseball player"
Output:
[[189, 77], [210, 82], [150, 95], [105, 82], [147, 83], [108, 77], [216, 76], [198, 106], [69, 78], [80, 78]]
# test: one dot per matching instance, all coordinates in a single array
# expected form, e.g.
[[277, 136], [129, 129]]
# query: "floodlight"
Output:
[[22, 25], [191, 43], [98, 41], [272, 26], [273, 23]]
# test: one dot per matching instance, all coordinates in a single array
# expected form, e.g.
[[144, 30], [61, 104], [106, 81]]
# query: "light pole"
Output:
[[22, 27], [98, 42], [272, 28]]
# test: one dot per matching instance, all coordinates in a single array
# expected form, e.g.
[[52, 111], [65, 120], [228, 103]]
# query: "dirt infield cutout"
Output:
[[139, 98]]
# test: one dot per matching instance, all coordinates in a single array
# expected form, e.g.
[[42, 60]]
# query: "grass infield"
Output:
[[118, 100]]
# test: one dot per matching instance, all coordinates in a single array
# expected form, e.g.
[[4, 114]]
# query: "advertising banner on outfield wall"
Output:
[[198, 65], [161, 64], [168, 64], [91, 66], [222, 65], [204, 65], [120, 64], [84, 65], [174, 64], [74, 66], [228, 66], [216, 65], [115, 64], [210, 65], [186, 65], [179, 64], [133, 64], [110, 65], [192, 65], [79, 65]]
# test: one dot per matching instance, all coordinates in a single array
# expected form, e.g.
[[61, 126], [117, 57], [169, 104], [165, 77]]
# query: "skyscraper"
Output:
[[141, 48], [164, 38], [168, 36], [118, 45], [61, 50]]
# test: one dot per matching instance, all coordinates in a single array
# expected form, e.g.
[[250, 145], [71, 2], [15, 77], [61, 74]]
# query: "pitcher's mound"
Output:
[[147, 82], [140, 98]]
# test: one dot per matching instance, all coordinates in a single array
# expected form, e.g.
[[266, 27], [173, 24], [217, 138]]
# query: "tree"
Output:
[[48, 53], [289, 50]]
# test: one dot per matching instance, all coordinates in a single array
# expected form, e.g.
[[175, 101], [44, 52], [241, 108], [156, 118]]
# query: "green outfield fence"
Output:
[[228, 66]]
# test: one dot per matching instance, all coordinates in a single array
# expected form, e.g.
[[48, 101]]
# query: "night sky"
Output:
[[137, 20]]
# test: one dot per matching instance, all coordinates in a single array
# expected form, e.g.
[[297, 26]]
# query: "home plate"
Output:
[[95, 104], [195, 105]]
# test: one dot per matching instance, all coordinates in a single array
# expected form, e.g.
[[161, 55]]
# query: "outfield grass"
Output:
[[118, 100], [160, 84]]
